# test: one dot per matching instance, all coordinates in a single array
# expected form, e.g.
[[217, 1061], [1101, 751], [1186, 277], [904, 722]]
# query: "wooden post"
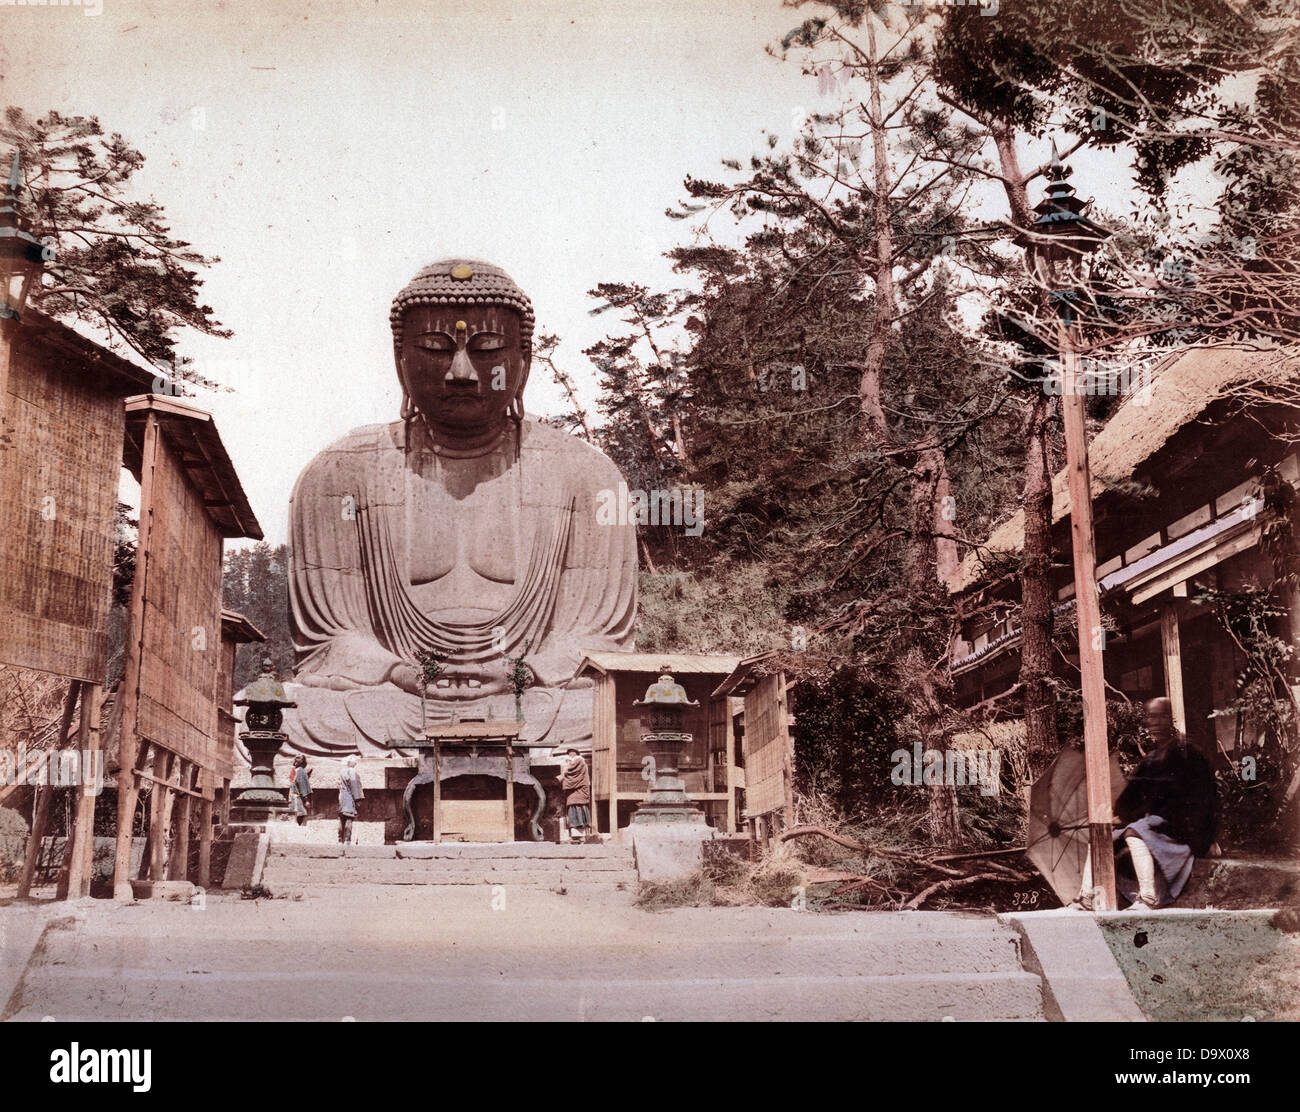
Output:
[[164, 767], [1091, 634], [787, 749], [1171, 643], [128, 742], [205, 843], [82, 861], [225, 802], [178, 867], [510, 790], [44, 795], [610, 695], [729, 731], [437, 790]]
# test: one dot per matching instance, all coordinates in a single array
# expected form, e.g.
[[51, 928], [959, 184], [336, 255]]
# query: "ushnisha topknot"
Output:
[[464, 282]]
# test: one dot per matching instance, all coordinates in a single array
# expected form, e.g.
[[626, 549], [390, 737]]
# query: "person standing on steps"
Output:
[[300, 790], [350, 794], [576, 782]]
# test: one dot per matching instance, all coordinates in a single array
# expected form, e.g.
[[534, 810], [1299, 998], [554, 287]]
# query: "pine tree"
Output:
[[112, 260]]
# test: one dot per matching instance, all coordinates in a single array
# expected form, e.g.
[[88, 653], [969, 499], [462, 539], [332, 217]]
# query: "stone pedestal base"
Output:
[[668, 851], [247, 857], [255, 814]]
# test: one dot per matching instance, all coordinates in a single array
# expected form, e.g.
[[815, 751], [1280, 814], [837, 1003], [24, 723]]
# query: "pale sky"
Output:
[[327, 151]]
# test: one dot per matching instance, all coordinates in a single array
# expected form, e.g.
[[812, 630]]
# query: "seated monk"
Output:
[[1164, 819], [464, 529]]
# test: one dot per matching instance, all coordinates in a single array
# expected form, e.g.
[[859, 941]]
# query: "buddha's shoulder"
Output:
[[366, 438], [557, 449], [350, 453]]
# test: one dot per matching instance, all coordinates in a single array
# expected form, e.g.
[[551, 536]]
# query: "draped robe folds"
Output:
[[354, 615]]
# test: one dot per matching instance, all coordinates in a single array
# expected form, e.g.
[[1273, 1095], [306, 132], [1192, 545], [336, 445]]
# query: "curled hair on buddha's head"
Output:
[[464, 282], [459, 281]]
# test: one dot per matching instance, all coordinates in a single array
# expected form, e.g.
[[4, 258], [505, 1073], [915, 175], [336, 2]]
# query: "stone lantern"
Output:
[[666, 740], [262, 737]]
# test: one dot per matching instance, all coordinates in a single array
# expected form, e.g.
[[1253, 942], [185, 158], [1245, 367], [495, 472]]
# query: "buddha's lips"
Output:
[[463, 402]]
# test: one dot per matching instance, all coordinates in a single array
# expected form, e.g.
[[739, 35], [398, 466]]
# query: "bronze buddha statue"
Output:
[[464, 528]]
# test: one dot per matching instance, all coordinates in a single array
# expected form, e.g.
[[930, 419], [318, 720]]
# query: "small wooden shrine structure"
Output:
[[489, 748], [709, 765]]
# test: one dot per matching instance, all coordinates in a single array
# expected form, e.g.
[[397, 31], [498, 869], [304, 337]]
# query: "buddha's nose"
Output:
[[462, 370]]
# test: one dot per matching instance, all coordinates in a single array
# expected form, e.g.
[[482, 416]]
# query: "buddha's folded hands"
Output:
[[335, 683]]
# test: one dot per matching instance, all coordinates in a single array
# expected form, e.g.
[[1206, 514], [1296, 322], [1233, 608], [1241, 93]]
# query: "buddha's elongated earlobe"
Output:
[[409, 412], [515, 411]]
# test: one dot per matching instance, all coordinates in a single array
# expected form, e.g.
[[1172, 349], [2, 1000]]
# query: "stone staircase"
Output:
[[292, 869], [418, 953]]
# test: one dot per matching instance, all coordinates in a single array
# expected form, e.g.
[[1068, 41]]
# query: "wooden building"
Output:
[[762, 725], [710, 766], [1176, 491], [191, 501], [60, 463], [62, 427]]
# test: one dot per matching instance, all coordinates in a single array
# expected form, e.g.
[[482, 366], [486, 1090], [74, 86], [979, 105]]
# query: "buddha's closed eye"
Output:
[[443, 342]]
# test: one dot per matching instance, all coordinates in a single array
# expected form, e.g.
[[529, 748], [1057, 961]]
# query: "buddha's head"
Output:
[[463, 339]]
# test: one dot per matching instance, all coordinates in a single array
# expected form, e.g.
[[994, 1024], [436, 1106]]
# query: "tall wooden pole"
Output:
[[1096, 755], [127, 788]]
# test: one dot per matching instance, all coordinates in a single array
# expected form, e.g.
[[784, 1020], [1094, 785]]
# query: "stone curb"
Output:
[[22, 938], [1082, 981]]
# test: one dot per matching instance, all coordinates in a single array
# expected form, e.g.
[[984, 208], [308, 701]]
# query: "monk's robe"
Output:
[[372, 528]]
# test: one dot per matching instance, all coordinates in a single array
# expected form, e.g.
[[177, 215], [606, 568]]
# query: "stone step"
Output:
[[421, 851], [375, 951], [378, 870], [361, 869], [970, 952], [209, 991], [294, 883], [296, 888], [296, 869]]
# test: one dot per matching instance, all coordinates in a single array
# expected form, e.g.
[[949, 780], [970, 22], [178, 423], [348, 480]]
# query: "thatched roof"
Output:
[[1182, 388]]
